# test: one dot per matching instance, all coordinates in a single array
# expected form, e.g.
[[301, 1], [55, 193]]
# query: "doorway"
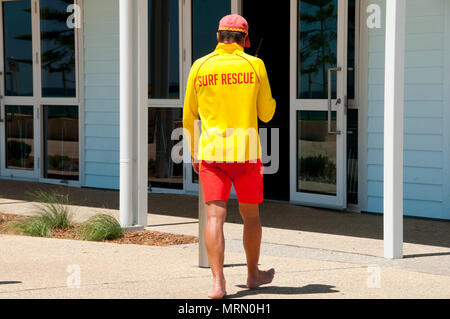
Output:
[[323, 108], [271, 44]]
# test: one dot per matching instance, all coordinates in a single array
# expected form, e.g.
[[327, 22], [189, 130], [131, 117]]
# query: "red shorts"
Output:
[[247, 179]]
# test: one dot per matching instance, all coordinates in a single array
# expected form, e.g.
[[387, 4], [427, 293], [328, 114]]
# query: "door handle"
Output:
[[338, 101]]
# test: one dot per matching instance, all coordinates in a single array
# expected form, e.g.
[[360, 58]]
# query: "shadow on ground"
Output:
[[276, 290], [273, 214], [10, 282]]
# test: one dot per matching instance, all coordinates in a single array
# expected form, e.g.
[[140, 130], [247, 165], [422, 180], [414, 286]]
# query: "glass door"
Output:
[[19, 108], [39, 133], [318, 103], [165, 91]]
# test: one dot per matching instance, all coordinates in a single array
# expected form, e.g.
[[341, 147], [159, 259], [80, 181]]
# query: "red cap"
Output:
[[234, 22]]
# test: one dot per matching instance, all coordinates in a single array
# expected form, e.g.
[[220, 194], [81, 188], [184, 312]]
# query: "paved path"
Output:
[[37, 268], [316, 253]]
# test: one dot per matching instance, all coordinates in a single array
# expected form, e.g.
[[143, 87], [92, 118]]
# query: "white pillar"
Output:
[[203, 261], [133, 113], [127, 53], [141, 118], [393, 128]]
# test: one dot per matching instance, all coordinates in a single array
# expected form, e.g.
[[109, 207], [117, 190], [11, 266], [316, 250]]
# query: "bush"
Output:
[[101, 227], [52, 209], [33, 226]]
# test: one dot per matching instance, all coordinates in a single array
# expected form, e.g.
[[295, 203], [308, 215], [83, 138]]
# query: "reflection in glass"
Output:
[[58, 50], [19, 137], [352, 156], [163, 49], [351, 48], [206, 15], [317, 40], [162, 170], [61, 142], [18, 48], [316, 166]]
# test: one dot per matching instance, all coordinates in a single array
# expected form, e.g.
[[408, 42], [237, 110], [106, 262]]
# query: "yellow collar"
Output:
[[229, 47]]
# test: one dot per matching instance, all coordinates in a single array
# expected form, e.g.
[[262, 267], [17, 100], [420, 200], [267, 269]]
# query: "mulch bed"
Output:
[[141, 237]]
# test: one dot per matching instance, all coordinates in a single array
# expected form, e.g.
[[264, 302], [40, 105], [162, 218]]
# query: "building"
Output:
[[60, 88]]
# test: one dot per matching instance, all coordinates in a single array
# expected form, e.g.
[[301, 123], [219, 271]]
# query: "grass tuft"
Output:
[[100, 227], [52, 209], [52, 213], [33, 226]]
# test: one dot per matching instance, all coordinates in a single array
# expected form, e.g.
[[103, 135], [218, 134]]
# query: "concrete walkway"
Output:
[[316, 253]]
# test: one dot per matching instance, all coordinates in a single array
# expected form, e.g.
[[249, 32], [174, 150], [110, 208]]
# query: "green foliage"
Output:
[[101, 227], [33, 226], [52, 209], [318, 167]]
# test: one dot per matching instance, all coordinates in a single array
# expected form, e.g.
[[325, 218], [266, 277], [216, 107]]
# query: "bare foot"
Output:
[[218, 291], [264, 277]]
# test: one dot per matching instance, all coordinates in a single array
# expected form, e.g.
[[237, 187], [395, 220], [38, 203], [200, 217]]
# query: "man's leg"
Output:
[[252, 244], [215, 245]]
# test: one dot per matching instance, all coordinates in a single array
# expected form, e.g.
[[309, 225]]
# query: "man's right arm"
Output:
[[190, 112]]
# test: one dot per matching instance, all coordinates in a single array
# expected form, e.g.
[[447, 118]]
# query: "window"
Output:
[[163, 49], [18, 48], [206, 15], [41, 108], [61, 142], [162, 170], [19, 137], [57, 50]]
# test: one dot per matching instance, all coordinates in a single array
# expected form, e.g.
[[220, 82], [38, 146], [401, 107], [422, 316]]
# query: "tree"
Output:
[[318, 30]]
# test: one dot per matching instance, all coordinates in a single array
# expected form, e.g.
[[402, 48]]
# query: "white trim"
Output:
[[60, 182], [393, 128], [159, 190], [363, 87]]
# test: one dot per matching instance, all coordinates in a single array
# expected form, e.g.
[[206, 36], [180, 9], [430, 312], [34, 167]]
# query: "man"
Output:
[[228, 91]]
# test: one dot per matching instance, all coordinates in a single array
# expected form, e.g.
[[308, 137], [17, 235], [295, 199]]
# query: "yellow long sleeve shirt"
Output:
[[227, 90]]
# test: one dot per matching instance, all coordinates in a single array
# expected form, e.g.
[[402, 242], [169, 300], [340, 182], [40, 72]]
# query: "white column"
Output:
[[127, 53], [141, 129], [393, 128], [203, 261]]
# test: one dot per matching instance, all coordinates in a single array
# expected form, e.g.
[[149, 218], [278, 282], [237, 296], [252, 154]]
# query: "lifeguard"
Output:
[[228, 90]]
